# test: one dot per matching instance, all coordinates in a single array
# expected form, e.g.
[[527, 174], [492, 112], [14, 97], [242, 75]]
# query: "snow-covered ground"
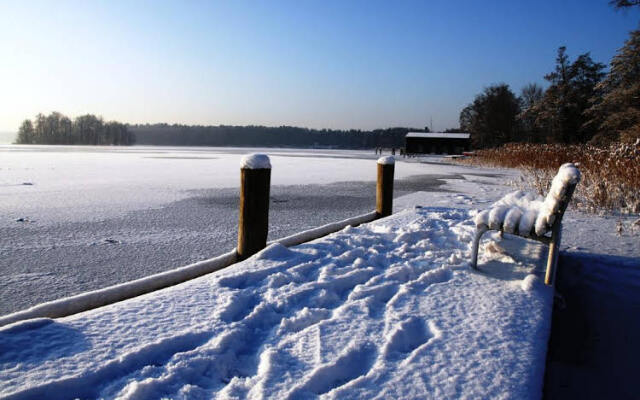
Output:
[[388, 309]]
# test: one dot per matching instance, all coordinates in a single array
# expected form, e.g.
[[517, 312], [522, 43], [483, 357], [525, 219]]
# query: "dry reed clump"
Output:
[[610, 176]]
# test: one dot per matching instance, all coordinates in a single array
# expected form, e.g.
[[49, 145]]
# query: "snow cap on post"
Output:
[[388, 160], [255, 161]]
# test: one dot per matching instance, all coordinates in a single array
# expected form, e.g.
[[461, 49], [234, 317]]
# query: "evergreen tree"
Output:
[[572, 87], [617, 113]]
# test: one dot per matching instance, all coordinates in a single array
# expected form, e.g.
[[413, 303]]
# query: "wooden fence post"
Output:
[[384, 188], [253, 218]]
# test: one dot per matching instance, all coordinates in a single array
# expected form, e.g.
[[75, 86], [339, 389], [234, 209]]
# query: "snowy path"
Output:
[[384, 310]]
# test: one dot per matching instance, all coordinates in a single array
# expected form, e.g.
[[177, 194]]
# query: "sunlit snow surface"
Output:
[[51, 184], [388, 309]]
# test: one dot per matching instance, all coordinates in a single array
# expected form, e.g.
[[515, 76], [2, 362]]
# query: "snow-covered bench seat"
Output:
[[531, 216]]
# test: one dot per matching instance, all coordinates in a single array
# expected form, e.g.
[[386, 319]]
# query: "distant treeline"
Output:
[[56, 128], [282, 136]]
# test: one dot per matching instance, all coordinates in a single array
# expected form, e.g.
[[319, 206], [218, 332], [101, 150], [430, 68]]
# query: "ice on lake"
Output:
[[77, 218]]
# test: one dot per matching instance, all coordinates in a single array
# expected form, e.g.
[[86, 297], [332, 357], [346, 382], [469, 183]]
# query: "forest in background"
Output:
[[583, 103], [282, 136], [89, 129]]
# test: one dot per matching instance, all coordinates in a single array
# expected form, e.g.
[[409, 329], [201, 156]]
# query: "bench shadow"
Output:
[[36, 341], [593, 349]]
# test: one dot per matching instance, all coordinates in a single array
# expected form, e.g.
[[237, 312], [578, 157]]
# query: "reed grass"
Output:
[[610, 175]]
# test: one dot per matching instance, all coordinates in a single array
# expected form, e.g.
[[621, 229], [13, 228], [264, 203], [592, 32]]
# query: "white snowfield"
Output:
[[388, 309], [524, 213]]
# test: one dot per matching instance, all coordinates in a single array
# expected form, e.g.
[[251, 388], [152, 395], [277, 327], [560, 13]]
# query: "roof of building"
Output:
[[441, 135]]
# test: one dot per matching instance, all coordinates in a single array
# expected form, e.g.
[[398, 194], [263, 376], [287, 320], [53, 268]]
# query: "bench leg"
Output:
[[554, 249], [475, 245]]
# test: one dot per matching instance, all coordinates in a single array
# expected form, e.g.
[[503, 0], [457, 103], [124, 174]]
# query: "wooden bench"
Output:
[[532, 217]]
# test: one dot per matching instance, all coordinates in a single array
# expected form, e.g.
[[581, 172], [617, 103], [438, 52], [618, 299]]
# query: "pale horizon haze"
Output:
[[330, 64]]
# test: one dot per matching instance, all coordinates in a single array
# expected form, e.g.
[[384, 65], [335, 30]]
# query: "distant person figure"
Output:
[[393, 151]]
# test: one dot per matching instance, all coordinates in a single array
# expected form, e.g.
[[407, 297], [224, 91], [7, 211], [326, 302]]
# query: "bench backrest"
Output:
[[558, 198]]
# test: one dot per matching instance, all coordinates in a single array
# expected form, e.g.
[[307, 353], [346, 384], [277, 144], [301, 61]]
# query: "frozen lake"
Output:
[[77, 218]]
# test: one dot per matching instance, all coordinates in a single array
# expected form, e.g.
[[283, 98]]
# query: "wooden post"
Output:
[[384, 188], [253, 218]]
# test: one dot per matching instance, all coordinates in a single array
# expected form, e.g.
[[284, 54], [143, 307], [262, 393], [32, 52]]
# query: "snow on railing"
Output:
[[315, 233], [112, 294]]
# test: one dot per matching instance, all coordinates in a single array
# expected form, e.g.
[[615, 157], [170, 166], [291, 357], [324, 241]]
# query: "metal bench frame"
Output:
[[553, 241]]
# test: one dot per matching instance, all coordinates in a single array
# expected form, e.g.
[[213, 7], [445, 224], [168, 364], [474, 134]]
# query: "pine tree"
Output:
[[617, 114], [572, 88]]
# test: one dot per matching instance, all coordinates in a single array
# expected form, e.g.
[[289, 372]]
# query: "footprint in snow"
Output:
[[353, 363], [406, 337], [239, 307]]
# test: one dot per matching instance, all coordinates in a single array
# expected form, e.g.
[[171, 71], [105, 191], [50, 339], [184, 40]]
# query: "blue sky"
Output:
[[333, 64]]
